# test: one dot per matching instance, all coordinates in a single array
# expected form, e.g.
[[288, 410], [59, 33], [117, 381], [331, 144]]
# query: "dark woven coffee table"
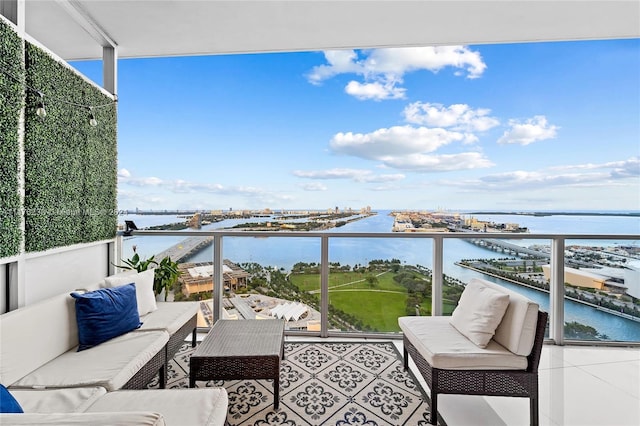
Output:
[[240, 349]]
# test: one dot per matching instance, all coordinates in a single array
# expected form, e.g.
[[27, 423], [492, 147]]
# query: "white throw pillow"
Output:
[[144, 288], [479, 312]]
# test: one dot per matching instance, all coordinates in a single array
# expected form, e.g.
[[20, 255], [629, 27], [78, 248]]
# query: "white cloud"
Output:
[[619, 169], [532, 130], [357, 175], [384, 178], [439, 163], [147, 181], [587, 175], [169, 189], [376, 91], [383, 69], [124, 173], [339, 62], [410, 148], [457, 116], [398, 61], [314, 186], [392, 141]]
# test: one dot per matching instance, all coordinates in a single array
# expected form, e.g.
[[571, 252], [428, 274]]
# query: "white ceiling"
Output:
[[149, 28]]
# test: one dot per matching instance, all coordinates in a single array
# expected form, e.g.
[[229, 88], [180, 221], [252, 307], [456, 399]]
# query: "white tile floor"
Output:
[[579, 386]]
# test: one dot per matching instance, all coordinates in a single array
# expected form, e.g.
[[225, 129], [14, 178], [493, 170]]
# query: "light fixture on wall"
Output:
[[92, 118], [131, 226], [41, 111]]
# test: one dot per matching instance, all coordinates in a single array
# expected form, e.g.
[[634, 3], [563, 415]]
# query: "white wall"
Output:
[[3, 283], [62, 270]]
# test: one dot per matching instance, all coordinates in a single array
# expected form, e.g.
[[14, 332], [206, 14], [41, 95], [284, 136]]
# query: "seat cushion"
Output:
[[68, 400], [479, 312], [55, 332], [83, 419], [169, 316], [110, 364], [517, 330], [444, 347], [179, 407]]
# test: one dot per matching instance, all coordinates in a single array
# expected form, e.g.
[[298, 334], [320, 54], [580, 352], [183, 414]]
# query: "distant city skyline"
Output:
[[535, 126]]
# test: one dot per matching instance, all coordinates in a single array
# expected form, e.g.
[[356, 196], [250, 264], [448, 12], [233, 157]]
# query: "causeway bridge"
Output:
[[184, 248], [508, 248]]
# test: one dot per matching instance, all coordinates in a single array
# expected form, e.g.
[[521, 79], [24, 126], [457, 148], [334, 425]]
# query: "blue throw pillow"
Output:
[[106, 313], [8, 403]]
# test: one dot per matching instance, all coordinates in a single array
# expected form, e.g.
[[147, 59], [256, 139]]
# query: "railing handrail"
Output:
[[428, 235]]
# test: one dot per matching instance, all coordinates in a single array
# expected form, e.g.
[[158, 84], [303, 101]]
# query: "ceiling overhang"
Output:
[[79, 29]]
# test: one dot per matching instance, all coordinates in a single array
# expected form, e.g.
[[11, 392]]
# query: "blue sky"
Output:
[[537, 126]]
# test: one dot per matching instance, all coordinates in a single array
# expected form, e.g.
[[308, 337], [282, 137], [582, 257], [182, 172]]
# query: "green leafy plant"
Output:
[[165, 276], [138, 264], [165, 272]]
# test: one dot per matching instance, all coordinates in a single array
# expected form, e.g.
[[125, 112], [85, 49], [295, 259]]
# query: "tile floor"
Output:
[[579, 386]]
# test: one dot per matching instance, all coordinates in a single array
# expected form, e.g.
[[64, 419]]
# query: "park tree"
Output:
[[371, 280]]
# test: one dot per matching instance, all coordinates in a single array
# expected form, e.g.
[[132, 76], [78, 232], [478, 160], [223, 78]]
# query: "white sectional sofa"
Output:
[[41, 366]]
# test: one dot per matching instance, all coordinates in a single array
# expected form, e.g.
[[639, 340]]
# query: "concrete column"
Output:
[[14, 11], [110, 69]]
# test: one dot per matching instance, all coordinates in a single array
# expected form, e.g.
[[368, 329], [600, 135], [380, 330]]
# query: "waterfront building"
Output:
[[588, 279], [197, 278]]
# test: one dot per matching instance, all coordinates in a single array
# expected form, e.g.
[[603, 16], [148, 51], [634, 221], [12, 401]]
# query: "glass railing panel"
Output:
[[259, 280], [373, 281], [518, 264], [602, 290]]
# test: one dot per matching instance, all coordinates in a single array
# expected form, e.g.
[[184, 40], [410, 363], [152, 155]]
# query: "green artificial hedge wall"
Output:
[[70, 166], [11, 102]]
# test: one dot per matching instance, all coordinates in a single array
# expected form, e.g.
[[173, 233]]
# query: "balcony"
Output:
[[575, 375]]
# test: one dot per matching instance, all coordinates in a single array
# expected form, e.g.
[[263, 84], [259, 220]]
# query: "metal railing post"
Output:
[[437, 276], [218, 278], [556, 291], [324, 286]]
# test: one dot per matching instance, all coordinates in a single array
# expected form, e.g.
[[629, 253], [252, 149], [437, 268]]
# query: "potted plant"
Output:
[[165, 272]]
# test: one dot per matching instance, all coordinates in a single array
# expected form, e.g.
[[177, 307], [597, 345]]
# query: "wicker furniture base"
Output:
[[240, 349], [516, 383], [155, 366], [177, 339]]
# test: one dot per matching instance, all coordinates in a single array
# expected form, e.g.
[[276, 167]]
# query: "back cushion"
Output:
[[479, 312], [106, 313], [35, 334], [143, 281], [517, 330]]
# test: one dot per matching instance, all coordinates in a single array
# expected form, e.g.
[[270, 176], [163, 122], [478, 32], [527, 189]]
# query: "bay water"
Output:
[[285, 252]]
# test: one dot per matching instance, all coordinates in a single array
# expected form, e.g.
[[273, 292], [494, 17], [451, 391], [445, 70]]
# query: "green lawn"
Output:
[[349, 292], [346, 280], [378, 310]]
